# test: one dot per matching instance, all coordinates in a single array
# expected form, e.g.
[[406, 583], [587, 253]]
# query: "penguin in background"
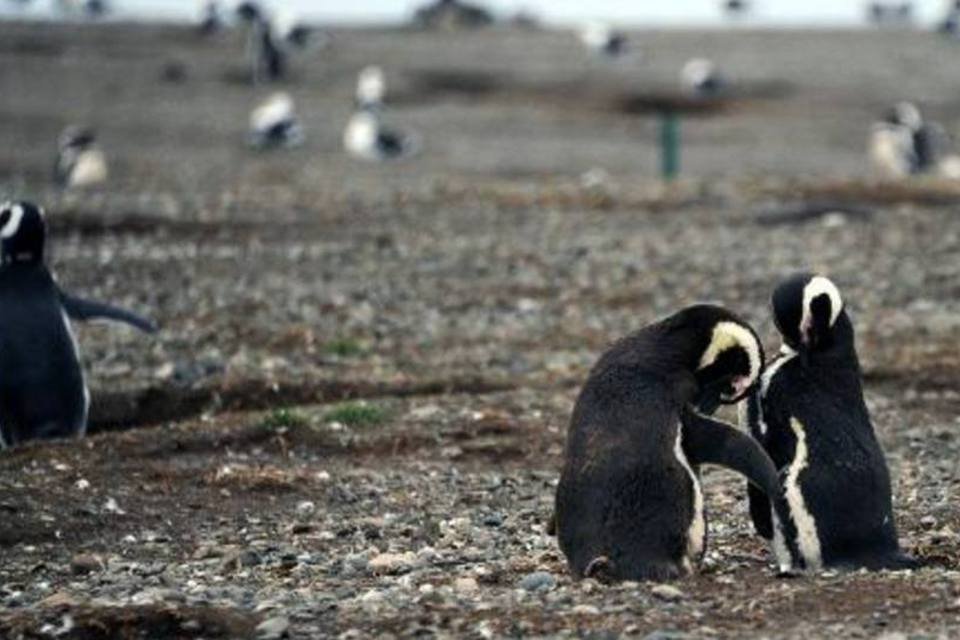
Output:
[[700, 78], [808, 413], [274, 124], [210, 21], [43, 394], [903, 143], [366, 138], [629, 504], [267, 58], [602, 40], [80, 161], [371, 88]]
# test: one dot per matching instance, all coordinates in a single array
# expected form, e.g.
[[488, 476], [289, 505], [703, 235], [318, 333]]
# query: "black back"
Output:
[[41, 389]]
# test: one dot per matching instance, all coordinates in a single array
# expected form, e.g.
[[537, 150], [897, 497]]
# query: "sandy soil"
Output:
[[351, 422]]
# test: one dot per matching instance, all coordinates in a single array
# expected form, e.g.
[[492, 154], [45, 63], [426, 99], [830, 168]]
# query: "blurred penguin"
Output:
[[600, 39], [80, 162], [274, 124], [904, 143], [701, 78], [87, 8], [268, 60], [211, 20], [366, 138], [949, 25], [291, 32], [735, 8], [371, 87]]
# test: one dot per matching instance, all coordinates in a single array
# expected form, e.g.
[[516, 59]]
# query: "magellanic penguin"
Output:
[[809, 414], [700, 78], [274, 124], [80, 161], [42, 390], [629, 504], [210, 20], [903, 143], [371, 87], [600, 39], [367, 139]]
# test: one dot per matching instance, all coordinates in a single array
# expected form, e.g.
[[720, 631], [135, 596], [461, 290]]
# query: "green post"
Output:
[[669, 144]]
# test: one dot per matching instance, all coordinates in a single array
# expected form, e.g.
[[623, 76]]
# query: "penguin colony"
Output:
[[629, 503]]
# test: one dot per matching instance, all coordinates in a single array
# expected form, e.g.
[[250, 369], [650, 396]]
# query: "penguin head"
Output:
[[805, 309], [77, 138], [23, 231], [905, 114], [730, 357]]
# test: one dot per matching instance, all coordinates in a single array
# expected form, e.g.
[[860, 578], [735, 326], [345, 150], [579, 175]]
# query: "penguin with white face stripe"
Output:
[[629, 505], [42, 390], [810, 416]]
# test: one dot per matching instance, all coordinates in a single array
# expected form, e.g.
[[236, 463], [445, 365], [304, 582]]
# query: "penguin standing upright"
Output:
[[42, 390], [810, 416], [80, 161], [629, 504]]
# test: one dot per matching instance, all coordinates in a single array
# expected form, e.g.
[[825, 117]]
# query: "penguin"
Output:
[[601, 40], [274, 124], [629, 504], [43, 394], [210, 21], [365, 138], [903, 143], [700, 78], [80, 162], [266, 55], [371, 87], [291, 32], [735, 8], [808, 413]]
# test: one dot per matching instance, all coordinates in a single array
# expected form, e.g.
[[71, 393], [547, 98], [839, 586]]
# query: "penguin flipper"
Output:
[[760, 512], [80, 309], [708, 441]]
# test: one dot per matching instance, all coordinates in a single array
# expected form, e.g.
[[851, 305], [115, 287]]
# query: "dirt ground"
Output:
[[350, 424]]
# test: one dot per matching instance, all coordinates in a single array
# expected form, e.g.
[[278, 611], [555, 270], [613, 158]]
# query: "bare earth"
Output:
[[462, 296]]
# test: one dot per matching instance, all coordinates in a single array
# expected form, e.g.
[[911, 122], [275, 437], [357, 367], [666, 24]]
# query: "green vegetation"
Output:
[[344, 348], [284, 418], [356, 414]]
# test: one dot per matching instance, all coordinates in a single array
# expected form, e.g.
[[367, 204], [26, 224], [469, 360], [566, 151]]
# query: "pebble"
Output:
[[667, 592], [538, 581], [466, 585], [84, 563], [273, 628], [392, 563]]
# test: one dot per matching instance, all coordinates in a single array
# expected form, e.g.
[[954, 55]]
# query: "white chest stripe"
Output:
[[808, 541], [698, 526]]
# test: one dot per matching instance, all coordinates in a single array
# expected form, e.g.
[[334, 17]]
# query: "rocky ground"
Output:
[[350, 424]]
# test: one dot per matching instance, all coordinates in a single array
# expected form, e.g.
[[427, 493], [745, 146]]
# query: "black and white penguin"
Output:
[[292, 32], [602, 40], [809, 414], [629, 504], [266, 55], [735, 8], [903, 143], [366, 138], [274, 124], [701, 78], [80, 161], [42, 390], [371, 87]]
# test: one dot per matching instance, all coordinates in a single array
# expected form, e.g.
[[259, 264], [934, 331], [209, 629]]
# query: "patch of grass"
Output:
[[356, 414], [284, 418], [344, 348]]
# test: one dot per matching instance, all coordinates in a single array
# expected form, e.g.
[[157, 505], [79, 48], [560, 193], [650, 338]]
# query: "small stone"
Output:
[[85, 563], [273, 628], [928, 522], [305, 509], [392, 563], [667, 592], [466, 585], [586, 610], [661, 634], [59, 600], [538, 581], [492, 520]]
